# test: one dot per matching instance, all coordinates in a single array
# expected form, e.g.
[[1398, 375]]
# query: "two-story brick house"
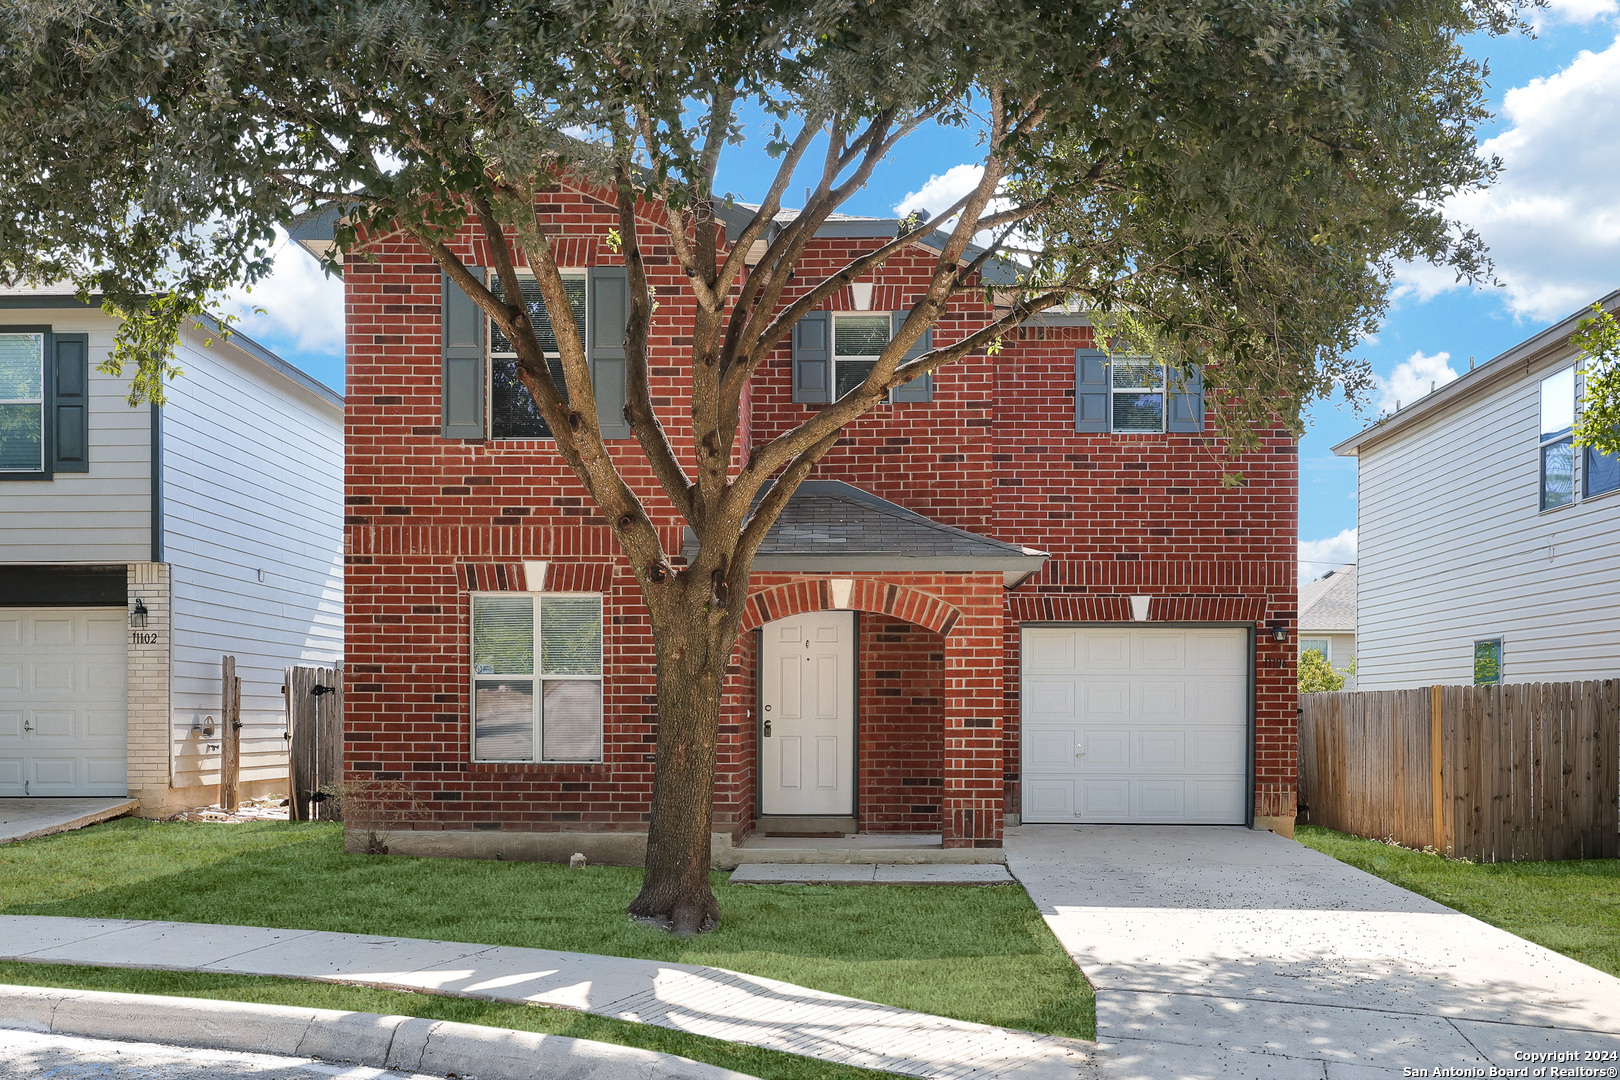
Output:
[[1016, 592]]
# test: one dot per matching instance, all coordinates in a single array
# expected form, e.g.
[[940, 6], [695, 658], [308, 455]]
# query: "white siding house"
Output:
[[220, 513], [1484, 534]]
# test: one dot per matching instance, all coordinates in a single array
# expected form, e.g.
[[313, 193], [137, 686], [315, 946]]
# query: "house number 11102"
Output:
[[143, 637]]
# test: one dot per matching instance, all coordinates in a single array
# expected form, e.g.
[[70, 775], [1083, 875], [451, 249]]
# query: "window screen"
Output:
[[22, 402], [1487, 661], [1321, 645], [1138, 393], [1601, 472], [858, 340], [522, 712], [513, 413], [1557, 444]]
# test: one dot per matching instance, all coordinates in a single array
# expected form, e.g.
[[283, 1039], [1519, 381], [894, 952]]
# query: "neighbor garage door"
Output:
[[1135, 725], [62, 718]]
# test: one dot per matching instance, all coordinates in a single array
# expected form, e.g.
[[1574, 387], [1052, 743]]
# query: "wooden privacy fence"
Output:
[[1527, 771], [314, 741]]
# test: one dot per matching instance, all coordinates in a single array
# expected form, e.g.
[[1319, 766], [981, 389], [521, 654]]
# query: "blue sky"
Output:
[[1552, 223]]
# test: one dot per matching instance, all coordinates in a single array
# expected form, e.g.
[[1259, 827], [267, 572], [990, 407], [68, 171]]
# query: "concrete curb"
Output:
[[406, 1043]]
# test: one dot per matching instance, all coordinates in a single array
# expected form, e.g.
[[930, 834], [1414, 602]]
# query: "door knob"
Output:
[[1079, 749], [767, 729]]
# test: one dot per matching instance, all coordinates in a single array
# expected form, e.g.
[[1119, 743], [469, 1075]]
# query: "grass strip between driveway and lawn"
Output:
[[1569, 907], [750, 1060], [980, 954]]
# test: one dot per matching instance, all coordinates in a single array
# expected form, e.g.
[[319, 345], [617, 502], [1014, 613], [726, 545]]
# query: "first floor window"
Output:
[[1557, 442], [22, 402], [537, 677], [1487, 662], [513, 413], [858, 341], [1138, 389]]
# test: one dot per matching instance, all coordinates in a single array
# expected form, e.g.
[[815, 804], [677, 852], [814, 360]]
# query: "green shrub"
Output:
[[1316, 674]]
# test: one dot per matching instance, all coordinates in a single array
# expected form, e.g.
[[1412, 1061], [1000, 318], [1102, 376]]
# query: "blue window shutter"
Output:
[[1185, 412], [812, 358], [461, 411], [70, 376], [1091, 391], [607, 303], [922, 387]]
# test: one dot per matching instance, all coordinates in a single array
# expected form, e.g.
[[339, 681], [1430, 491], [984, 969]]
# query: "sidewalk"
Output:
[[706, 1001]]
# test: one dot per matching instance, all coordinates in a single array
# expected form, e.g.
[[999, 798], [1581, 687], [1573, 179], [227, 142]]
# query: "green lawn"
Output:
[[980, 954], [1570, 907]]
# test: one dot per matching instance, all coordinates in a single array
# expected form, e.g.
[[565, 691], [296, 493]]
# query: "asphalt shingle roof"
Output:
[[1328, 604], [829, 525]]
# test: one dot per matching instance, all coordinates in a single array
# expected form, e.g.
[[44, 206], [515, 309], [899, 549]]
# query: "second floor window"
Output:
[[22, 402], [1557, 442], [513, 413], [858, 341], [1138, 393]]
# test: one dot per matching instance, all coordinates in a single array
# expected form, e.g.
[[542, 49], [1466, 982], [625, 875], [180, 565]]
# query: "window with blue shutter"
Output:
[[922, 387], [1091, 391], [513, 413], [1185, 413], [812, 358], [461, 383], [71, 405], [26, 379]]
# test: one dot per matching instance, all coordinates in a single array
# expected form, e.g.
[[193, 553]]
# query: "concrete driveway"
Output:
[[1224, 952]]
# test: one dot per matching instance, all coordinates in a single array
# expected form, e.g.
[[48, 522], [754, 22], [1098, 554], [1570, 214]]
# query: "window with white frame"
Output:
[[536, 677], [1137, 384], [1557, 442], [22, 402], [1321, 645], [513, 413], [1600, 472], [858, 341]]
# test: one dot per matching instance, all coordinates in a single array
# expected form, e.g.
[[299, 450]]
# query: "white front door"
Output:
[[62, 701], [807, 734], [1135, 725]]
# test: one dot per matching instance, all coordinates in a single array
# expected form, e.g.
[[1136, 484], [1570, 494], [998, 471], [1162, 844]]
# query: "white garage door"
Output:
[[1135, 725], [62, 716]]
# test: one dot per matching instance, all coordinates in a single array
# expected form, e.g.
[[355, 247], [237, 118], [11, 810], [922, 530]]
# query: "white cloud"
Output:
[[303, 308], [1577, 11], [1317, 557], [941, 191], [1552, 219], [1413, 378]]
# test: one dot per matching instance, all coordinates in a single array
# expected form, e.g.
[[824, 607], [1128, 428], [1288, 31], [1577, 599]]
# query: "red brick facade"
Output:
[[431, 520]]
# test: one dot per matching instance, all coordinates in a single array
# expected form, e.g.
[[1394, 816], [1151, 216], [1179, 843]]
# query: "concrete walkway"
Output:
[[24, 819], [1228, 953], [700, 1000], [870, 874]]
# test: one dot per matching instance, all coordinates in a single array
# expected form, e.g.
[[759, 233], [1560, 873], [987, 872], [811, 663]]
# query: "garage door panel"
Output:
[[1158, 750], [1104, 652], [1051, 749], [1159, 799], [1050, 800], [1158, 715], [1105, 699], [63, 725], [1103, 748], [1052, 699], [1049, 650], [1162, 652], [1106, 800], [1160, 699]]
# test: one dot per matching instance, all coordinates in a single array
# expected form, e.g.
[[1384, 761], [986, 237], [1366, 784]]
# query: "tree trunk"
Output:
[[675, 892]]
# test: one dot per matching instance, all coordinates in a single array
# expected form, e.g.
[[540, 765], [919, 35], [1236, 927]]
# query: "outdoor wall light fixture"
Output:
[[137, 614], [1279, 631]]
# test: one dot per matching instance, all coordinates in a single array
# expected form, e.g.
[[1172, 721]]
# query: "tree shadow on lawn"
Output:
[[980, 954]]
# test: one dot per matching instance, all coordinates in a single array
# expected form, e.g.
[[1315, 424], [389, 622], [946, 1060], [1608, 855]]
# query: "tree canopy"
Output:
[[1230, 183]]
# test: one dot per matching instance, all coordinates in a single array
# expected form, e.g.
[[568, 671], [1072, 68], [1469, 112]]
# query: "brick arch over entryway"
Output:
[[795, 598]]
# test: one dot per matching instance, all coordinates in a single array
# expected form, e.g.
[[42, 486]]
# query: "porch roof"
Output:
[[830, 526]]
